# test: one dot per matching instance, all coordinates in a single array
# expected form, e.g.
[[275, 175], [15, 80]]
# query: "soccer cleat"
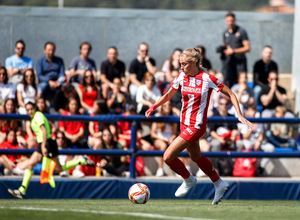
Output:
[[88, 162], [16, 193], [186, 186], [220, 190]]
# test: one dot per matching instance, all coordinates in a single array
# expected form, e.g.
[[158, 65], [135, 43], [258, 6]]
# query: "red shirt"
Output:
[[196, 91], [71, 127], [88, 97], [8, 145]]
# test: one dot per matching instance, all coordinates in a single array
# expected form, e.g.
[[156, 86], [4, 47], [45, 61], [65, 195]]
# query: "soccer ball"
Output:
[[139, 193]]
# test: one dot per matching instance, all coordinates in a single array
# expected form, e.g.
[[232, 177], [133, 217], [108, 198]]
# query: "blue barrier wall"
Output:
[[117, 188]]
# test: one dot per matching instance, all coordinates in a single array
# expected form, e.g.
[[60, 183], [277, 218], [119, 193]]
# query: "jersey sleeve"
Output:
[[215, 83], [38, 119], [177, 82]]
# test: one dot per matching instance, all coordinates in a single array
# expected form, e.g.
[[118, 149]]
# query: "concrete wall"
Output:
[[163, 30]]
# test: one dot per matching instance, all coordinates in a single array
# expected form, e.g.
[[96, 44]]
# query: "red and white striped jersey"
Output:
[[196, 93]]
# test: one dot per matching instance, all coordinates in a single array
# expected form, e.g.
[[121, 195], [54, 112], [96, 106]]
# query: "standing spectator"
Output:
[[138, 67], [281, 135], [73, 130], [236, 41], [88, 92], [242, 91], [27, 90], [112, 68], [18, 63], [7, 90], [117, 99], [273, 95], [172, 64], [163, 133], [205, 62], [147, 94], [261, 71], [82, 63], [50, 71]]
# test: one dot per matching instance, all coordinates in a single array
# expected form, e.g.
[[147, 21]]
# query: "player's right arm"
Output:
[[43, 144], [166, 97]]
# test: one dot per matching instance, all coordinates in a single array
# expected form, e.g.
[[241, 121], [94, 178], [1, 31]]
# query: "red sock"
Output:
[[206, 166], [178, 167]]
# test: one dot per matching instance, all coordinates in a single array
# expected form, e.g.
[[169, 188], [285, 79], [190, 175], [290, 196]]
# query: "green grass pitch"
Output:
[[111, 209]]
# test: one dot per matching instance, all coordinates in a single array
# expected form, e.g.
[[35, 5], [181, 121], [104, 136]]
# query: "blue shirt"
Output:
[[18, 62], [54, 70], [80, 64]]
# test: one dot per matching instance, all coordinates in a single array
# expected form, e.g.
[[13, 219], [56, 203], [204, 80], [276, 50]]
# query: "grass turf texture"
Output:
[[155, 209]]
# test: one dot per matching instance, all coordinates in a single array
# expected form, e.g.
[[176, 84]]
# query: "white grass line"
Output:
[[135, 214]]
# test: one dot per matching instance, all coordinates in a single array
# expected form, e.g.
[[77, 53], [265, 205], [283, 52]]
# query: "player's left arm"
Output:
[[226, 91]]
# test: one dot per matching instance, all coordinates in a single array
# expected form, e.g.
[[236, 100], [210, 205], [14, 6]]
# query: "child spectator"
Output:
[[163, 133], [280, 135]]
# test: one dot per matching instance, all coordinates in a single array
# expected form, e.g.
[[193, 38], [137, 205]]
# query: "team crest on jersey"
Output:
[[198, 82]]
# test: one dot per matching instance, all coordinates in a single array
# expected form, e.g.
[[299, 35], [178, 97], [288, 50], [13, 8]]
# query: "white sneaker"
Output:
[[159, 172], [78, 173], [186, 186], [65, 173], [7, 172], [221, 188], [200, 173], [18, 171]]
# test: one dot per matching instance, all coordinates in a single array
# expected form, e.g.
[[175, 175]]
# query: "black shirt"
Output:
[[139, 69], [261, 71], [235, 39], [275, 102], [113, 71]]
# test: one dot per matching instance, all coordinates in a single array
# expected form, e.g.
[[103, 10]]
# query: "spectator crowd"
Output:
[[130, 91]]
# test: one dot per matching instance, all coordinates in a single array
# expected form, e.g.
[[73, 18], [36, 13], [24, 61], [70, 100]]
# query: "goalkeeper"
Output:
[[47, 148]]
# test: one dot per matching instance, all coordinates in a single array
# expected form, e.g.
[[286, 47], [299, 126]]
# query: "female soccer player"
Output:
[[47, 147], [196, 86]]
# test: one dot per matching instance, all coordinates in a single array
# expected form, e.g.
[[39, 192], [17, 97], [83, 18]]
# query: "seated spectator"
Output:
[[273, 95], [9, 166], [27, 91], [147, 94], [110, 69], [138, 67], [280, 134], [82, 63], [171, 64], [124, 134], [88, 92], [61, 97], [117, 99], [73, 130], [163, 133], [5, 125], [10, 142], [261, 71], [205, 62], [242, 91], [18, 63], [96, 128], [112, 164], [223, 134], [42, 107], [61, 142], [7, 89], [252, 139], [50, 71]]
